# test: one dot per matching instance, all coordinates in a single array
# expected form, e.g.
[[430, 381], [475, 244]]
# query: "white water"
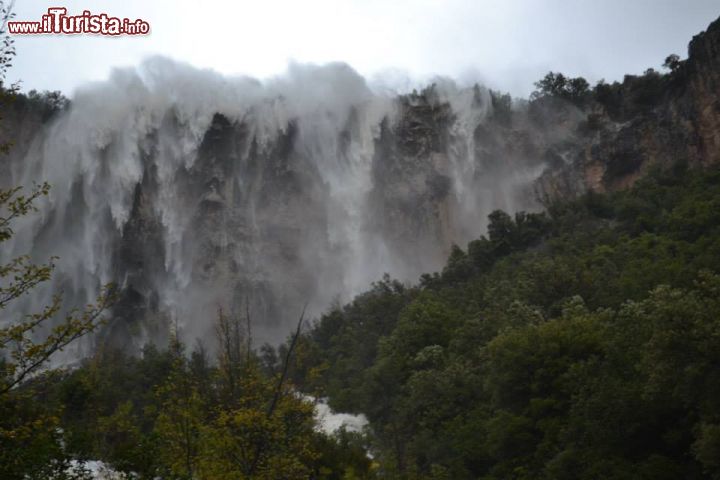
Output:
[[330, 422], [155, 117]]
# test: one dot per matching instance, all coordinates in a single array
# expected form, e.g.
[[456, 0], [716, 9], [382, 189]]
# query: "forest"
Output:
[[581, 341], [578, 343]]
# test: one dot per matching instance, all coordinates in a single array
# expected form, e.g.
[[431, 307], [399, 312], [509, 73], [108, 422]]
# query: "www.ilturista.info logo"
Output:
[[57, 21]]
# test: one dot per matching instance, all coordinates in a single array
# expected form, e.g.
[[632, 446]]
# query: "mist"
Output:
[[193, 192], [505, 45]]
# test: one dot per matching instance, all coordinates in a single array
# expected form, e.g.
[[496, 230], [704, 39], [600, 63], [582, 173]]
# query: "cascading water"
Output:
[[193, 191]]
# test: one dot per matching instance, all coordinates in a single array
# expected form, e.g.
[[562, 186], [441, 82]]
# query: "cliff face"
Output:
[[194, 195], [257, 198], [701, 100], [271, 225], [678, 122]]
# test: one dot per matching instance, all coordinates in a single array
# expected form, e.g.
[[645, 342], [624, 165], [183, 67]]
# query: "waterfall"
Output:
[[193, 191]]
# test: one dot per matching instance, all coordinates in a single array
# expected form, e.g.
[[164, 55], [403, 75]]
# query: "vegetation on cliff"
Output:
[[577, 343]]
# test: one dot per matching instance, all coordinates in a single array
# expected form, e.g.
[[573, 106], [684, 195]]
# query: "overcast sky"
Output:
[[506, 44]]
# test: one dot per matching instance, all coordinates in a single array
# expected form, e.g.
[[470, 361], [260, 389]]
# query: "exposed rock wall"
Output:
[[266, 197], [682, 125]]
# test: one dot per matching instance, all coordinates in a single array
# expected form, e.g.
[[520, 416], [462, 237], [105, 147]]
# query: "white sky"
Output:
[[506, 44]]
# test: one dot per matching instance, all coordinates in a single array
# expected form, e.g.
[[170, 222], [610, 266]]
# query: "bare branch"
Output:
[[278, 390]]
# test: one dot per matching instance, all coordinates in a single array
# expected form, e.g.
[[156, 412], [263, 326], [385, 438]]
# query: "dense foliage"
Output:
[[30, 440], [580, 343], [174, 414]]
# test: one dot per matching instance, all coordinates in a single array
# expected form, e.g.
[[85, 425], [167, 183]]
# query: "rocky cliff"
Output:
[[193, 192], [652, 121]]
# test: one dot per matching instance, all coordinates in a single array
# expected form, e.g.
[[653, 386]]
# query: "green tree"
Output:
[[672, 62], [265, 431], [28, 434], [556, 85], [181, 418], [29, 439]]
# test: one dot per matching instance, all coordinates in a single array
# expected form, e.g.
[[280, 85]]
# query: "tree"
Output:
[[181, 418], [23, 353], [552, 84], [29, 440], [265, 430], [7, 52], [502, 107], [672, 62], [556, 85], [231, 344]]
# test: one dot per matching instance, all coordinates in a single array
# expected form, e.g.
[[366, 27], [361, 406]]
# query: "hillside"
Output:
[[579, 343], [484, 287], [262, 195]]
